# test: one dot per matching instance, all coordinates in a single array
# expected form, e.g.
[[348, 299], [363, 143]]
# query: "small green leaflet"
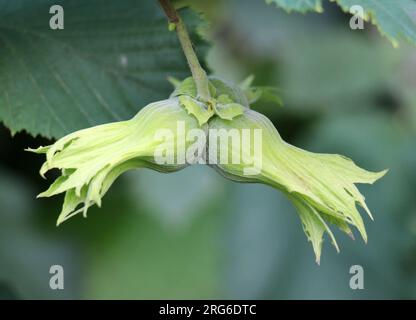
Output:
[[395, 19], [196, 108]]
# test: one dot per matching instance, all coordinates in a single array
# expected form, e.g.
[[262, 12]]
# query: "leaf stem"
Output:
[[198, 73]]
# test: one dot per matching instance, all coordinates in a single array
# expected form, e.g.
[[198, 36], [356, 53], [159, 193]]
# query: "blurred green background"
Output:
[[344, 91]]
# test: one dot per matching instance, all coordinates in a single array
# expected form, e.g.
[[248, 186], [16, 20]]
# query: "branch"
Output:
[[198, 73]]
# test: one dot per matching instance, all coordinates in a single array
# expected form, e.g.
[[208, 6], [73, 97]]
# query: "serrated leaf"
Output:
[[298, 5], [111, 59], [396, 19]]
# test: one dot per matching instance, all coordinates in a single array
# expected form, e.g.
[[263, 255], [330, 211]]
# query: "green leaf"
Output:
[[111, 59], [196, 108], [314, 226], [229, 111], [298, 5], [395, 19]]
